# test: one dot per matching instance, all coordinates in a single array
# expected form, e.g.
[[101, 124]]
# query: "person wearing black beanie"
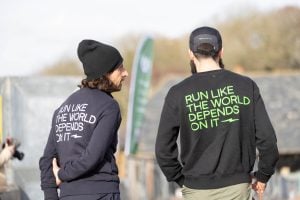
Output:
[[79, 154], [98, 58]]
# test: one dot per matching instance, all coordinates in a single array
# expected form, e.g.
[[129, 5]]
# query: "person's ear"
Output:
[[191, 55], [221, 52]]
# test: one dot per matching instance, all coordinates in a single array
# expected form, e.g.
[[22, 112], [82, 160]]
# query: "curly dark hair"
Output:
[[102, 83]]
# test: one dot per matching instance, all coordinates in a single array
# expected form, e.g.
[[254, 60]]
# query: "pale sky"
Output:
[[35, 33]]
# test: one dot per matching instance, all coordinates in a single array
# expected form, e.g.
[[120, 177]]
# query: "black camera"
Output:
[[12, 141]]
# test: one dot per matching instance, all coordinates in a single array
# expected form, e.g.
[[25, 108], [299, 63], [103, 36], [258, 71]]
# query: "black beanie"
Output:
[[98, 58]]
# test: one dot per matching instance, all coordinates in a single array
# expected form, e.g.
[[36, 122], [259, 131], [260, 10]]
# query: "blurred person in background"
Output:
[[6, 154], [83, 137], [221, 119]]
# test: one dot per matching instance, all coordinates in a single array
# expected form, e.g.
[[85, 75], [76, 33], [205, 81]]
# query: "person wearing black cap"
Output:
[[79, 155], [220, 119]]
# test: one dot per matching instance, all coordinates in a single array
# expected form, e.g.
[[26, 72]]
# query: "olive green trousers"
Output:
[[235, 192]]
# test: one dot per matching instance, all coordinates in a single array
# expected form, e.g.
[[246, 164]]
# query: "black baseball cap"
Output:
[[205, 35]]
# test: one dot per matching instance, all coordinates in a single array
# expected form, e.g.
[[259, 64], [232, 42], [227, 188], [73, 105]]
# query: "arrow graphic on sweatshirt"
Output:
[[76, 136], [230, 120]]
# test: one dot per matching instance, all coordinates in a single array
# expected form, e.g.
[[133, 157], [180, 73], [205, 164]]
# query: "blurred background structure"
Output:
[[39, 69]]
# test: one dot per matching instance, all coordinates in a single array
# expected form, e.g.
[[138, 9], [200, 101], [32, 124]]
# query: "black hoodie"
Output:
[[221, 119], [84, 139]]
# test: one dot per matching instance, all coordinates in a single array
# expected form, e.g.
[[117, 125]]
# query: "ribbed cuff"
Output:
[[51, 194], [261, 177], [180, 181]]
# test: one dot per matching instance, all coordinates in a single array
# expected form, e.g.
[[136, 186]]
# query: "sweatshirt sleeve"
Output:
[[102, 138], [48, 183], [166, 148], [266, 141]]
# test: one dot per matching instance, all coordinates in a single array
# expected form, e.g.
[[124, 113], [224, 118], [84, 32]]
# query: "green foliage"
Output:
[[263, 41], [170, 56], [253, 41]]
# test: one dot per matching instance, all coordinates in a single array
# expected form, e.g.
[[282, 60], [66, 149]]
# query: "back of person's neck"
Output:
[[205, 65]]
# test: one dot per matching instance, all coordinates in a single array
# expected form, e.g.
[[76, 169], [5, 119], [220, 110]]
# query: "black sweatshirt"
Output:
[[84, 139], [221, 119]]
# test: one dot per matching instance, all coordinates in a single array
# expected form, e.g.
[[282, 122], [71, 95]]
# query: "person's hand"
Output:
[[11, 148], [259, 188], [6, 153], [55, 170]]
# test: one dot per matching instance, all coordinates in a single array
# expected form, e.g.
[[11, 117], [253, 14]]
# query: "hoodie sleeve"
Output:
[[101, 140], [166, 148], [266, 141], [48, 183]]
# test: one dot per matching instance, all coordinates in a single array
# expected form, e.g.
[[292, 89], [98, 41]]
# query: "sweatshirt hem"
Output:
[[215, 182], [91, 187]]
